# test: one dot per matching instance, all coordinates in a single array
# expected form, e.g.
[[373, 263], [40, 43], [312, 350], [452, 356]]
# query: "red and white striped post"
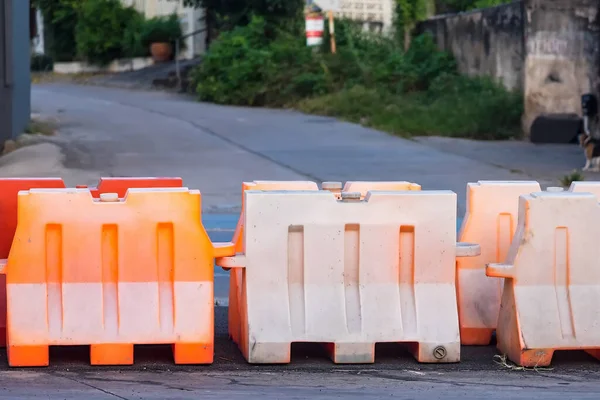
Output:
[[315, 25]]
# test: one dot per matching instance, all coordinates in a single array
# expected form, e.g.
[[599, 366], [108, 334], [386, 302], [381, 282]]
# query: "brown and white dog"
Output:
[[591, 149]]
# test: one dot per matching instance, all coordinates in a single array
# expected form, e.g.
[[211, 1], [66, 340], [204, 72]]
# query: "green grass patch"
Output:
[[38, 127], [485, 112], [371, 80], [575, 176]]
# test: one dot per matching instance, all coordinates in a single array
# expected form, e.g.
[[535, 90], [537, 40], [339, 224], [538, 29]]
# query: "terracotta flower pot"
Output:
[[161, 52]]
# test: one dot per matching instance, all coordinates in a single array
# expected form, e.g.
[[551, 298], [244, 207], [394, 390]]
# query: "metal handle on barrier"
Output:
[[467, 249], [238, 261]]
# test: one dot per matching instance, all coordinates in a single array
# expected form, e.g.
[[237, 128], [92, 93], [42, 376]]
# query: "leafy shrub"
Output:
[[100, 30], [244, 68], [479, 108], [476, 108], [166, 29], [371, 80], [132, 35], [41, 62], [60, 19]]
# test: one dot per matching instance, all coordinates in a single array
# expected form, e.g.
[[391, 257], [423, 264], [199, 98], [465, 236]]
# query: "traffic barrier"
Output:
[[10, 187], [490, 221], [586, 187], [349, 273], [110, 273], [365, 187], [237, 276], [551, 293], [122, 184]]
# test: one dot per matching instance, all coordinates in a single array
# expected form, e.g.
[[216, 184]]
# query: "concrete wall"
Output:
[[488, 42], [549, 49], [562, 57]]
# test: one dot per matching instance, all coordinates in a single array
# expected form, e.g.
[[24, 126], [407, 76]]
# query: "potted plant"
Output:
[[160, 34]]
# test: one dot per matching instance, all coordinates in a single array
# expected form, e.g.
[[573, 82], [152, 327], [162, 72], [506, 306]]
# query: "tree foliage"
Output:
[[224, 15], [60, 18], [100, 30], [450, 6], [408, 13]]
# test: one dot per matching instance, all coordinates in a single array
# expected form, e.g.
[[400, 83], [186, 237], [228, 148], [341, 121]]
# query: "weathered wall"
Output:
[[562, 56], [488, 42]]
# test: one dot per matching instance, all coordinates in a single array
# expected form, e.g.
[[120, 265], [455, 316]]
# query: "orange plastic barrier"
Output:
[[120, 185], [551, 297], [9, 188], [490, 221], [110, 273]]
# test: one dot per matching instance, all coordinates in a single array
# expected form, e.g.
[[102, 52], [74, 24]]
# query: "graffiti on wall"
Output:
[[570, 45]]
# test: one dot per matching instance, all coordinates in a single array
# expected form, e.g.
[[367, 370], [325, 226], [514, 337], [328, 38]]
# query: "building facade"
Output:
[[376, 15]]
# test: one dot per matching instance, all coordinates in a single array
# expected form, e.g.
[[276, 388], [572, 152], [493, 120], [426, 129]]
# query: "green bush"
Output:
[[371, 80], [100, 30], [165, 29], [60, 19], [454, 106], [244, 68], [132, 35], [41, 63]]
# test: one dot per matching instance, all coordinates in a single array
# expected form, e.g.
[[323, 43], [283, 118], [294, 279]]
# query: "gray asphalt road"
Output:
[[215, 148], [120, 133], [310, 375], [339, 384]]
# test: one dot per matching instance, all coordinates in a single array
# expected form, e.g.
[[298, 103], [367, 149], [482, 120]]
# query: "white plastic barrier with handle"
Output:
[[349, 273]]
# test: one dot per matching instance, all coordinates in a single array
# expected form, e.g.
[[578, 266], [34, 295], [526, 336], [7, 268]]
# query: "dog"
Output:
[[591, 149]]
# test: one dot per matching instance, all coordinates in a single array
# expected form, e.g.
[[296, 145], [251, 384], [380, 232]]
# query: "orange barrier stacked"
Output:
[[9, 188], [490, 221], [121, 185], [110, 273], [551, 297]]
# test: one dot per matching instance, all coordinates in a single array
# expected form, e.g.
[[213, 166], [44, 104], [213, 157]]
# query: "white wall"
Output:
[[191, 20], [38, 41], [373, 14]]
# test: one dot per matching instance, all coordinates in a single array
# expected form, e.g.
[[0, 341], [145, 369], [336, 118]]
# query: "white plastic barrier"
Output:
[[551, 297], [349, 273]]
